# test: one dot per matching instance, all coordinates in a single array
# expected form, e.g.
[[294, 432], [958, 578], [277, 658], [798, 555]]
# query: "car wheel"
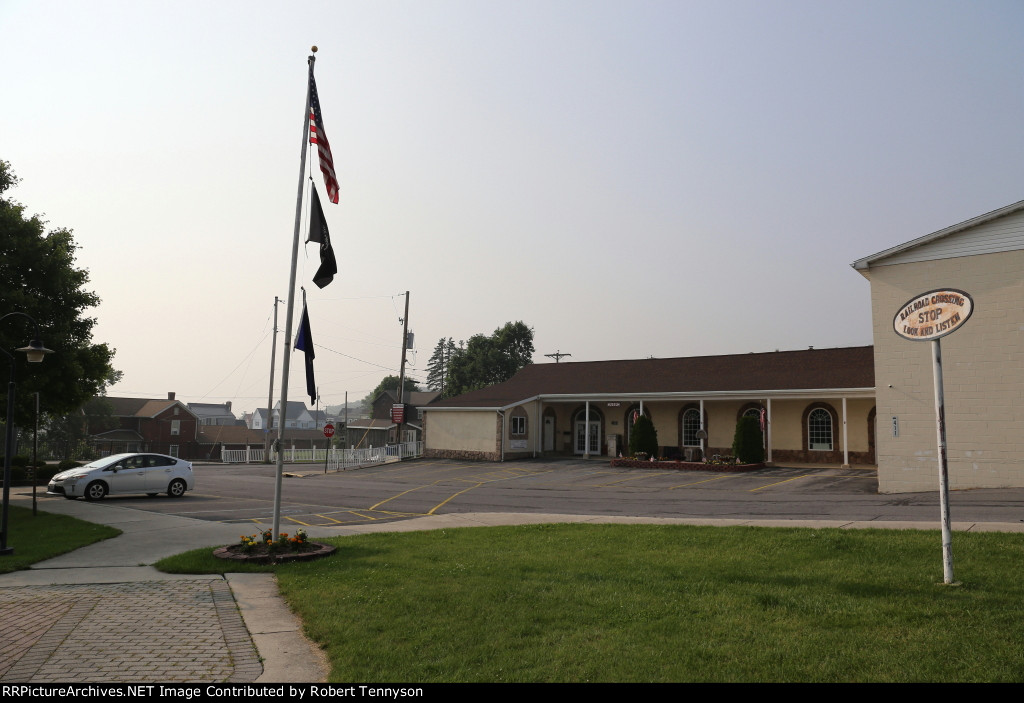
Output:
[[95, 490], [177, 488]]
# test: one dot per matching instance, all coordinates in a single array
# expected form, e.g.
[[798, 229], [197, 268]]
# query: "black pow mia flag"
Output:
[[318, 233]]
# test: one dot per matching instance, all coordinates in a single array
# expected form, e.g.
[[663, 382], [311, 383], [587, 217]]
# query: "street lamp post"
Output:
[[35, 351]]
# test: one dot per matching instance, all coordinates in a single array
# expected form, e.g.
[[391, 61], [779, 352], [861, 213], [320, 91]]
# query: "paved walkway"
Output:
[[101, 613]]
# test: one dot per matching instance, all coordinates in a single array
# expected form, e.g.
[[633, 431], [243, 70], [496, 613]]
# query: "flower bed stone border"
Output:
[[685, 465], [233, 552]]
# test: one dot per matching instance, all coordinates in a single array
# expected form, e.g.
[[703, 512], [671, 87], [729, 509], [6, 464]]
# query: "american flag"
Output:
[[318, 136]]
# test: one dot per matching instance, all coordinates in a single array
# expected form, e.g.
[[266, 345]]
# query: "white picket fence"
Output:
[[249, 455], [336, 460]]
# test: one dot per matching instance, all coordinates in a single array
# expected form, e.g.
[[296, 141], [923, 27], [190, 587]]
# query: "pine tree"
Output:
[[643, 438], [438, 368], [747, 443]]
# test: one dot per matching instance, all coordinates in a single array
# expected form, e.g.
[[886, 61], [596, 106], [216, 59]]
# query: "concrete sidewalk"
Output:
[[103, 613]]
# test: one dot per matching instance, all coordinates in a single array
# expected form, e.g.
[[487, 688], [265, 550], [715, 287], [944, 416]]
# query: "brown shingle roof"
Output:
[[848, 367]]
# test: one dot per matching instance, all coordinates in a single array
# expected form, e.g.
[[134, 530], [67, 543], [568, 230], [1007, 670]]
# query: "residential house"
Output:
[[380, 429], [164, 426], [213, 413]]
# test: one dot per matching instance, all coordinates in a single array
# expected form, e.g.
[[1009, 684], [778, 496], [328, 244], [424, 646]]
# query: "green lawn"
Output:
[[45, 535], [660, 603]]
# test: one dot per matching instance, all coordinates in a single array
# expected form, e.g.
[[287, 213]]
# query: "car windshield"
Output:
[[105, 461]]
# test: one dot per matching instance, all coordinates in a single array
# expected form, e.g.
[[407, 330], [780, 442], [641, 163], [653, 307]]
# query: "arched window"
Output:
[[691, 424], [819, 430], [518, 423]]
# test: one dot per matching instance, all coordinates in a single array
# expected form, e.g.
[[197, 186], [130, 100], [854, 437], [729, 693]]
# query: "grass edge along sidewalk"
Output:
[[570, 602], [45, 535]]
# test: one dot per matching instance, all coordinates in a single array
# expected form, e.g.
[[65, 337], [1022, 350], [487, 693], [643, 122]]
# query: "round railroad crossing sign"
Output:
[[328, 430]]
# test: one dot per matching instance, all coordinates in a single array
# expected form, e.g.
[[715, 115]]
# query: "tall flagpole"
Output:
[[289, 319]]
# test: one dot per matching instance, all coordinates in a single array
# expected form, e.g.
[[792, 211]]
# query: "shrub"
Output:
[[68, 464], [45, 472], [643, 438], [747, 444]]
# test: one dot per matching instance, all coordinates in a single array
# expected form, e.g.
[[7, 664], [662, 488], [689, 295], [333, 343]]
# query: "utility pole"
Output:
[[401, 371], [557, 356], [270, 394]]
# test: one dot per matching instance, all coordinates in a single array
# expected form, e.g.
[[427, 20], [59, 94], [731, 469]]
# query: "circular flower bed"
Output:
[[264, 549]]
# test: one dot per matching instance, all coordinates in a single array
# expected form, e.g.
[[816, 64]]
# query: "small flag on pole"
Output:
[[318, 136], [318, 233], [304, 342]]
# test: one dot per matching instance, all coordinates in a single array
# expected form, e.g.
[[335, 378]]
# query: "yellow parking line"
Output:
[[777, 483], [374, 507], [624, 480], [296, 521], [326, 517], [453, 495], [694, 483]]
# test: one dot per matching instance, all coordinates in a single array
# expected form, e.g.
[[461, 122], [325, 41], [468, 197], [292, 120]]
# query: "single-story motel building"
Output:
[[871, 405]]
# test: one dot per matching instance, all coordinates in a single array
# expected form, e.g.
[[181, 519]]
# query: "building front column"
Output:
[[538, 432], [846, 446], [768, 426], [586, 431], [703, 449]]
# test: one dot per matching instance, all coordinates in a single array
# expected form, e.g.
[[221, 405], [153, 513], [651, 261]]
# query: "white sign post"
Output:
[[929, 317]]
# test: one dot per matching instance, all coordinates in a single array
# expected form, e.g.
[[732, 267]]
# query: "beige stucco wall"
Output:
[[983, 376], [721, 415], [469, 431]]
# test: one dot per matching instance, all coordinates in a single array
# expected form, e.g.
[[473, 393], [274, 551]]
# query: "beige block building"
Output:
[[983, 361], [861, 405], [817, 405]]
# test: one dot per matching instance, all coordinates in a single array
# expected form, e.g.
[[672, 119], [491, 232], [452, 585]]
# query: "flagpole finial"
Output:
[[314, 48]]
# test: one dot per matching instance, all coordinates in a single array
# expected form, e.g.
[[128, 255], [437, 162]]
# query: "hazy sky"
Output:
[[629, 178]]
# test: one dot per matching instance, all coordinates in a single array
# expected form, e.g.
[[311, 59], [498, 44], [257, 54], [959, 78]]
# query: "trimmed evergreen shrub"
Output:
[[747, 444], [643, 437]]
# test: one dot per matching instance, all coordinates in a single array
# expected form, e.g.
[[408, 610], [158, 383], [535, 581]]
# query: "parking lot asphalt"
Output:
[[103, 613]]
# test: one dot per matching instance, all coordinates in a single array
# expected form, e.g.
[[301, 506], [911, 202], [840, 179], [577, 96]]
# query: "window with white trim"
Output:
[[518, 427], [175, 427], [691, 425], [819, 430]]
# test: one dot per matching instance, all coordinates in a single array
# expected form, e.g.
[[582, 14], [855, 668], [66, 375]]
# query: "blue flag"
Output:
[[304, 342]]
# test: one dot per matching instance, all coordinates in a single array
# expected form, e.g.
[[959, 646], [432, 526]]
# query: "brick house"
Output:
[[163, 426]]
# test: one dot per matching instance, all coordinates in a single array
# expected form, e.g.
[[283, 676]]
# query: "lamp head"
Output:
[[35, 351]]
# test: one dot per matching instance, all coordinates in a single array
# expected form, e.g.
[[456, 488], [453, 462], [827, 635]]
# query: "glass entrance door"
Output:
[[581, 437]]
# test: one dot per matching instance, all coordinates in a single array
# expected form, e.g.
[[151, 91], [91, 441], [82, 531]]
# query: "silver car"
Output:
[[125, 473]]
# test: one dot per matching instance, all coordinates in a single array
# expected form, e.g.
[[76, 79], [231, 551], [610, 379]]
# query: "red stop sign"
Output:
[[328, 430]]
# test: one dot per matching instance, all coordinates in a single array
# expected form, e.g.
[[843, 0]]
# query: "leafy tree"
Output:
[[489, 360], [439, 366], [390, 383], [747, 444], [643, 437], [38, 277], [66, 436]]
